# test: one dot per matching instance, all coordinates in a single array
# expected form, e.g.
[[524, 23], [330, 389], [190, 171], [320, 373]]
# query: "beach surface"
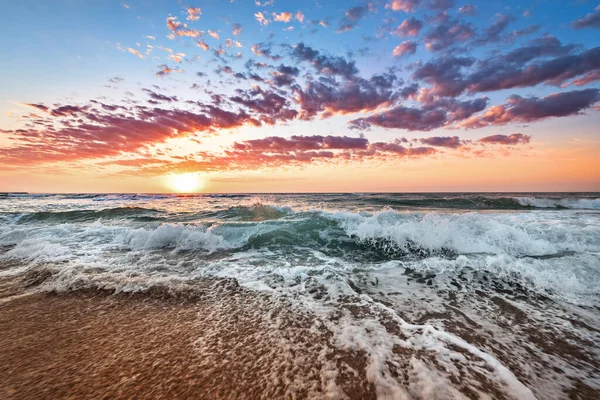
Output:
[[212, 344], [95, 345]]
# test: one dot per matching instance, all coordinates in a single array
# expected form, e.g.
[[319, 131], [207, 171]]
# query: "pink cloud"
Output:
[[403, 5], [405, 48], [135, 53], [409, 27], [180, 29], [261, 19], [283, 17], [202, 44], [194, 13]]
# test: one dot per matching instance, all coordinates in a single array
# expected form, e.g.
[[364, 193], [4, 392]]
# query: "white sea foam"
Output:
[[560, 256], [512, 234]]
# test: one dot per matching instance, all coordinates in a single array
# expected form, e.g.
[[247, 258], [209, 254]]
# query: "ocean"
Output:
[[430, 295]]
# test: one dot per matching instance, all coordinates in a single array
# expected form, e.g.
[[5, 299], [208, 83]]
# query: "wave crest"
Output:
[[541, 202]]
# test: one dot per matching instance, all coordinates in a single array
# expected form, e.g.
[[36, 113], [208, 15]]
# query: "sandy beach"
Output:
[[213, 344], [94, 345]]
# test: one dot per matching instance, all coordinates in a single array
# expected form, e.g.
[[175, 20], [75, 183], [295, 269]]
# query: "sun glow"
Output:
[[185, 183]]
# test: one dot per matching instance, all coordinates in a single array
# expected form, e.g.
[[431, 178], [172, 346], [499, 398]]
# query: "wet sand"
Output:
[[217, 343], [100, 346], [94, 346]]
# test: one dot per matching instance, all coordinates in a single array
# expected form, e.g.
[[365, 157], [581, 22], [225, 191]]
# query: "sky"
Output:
[[300, 96]]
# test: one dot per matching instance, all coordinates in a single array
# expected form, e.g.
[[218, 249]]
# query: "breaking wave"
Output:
[[555, 259], [541, 202]]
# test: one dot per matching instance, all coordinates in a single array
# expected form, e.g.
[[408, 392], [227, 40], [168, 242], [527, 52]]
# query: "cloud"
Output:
[[297, 150], [428, 117], [116, 79], [194, 13], [283, 16], [284, 75], [214, 35], [517, 68], [409, 27], [529, 109], [261, 19], [160, 97], [328, 96], [405, 48], [356, 13], [276, 144], [588, 78], [492, 33], [180, 29], [353, 15], [266, 106], [96, 131], [496, 76], [300, 16], [442, 141], [591, 20], [448, 34], [87, 132], [166, 70], [177, 57], [69, 110], [403, 5], [237, 29], [136, 53], [325, 64], [528, 30], [444, 74], [259, 50], [202, 44], [440, 4], [40, 107], [468, 9], [515, 138], [545, 46]]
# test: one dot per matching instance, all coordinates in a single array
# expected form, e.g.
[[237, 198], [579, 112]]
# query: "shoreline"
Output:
[[217, 341], [92, 344]]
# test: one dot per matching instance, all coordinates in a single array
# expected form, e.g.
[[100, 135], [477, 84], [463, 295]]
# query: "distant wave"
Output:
[[143, 214], [480, 202], [466, 201], [541, 202]]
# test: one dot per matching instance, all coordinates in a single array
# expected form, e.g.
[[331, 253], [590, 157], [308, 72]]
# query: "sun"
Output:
[[185, 183]]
